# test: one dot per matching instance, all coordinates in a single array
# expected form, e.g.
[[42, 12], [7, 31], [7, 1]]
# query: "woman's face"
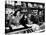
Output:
[[9, 10]]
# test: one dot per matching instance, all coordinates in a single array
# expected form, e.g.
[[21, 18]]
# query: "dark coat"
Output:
[[23, 20], [34, 19]]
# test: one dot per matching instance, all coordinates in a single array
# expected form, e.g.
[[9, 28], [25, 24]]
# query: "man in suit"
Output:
[[23, 21]]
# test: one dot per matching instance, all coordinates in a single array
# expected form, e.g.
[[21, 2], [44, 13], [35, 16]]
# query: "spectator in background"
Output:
[[34, 19]]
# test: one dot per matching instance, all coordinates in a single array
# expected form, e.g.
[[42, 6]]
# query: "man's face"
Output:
[[18, 13], [29, 15], [25, 16]]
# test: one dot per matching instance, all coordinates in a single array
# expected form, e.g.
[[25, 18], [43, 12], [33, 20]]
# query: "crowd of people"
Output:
[[18, 16]]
